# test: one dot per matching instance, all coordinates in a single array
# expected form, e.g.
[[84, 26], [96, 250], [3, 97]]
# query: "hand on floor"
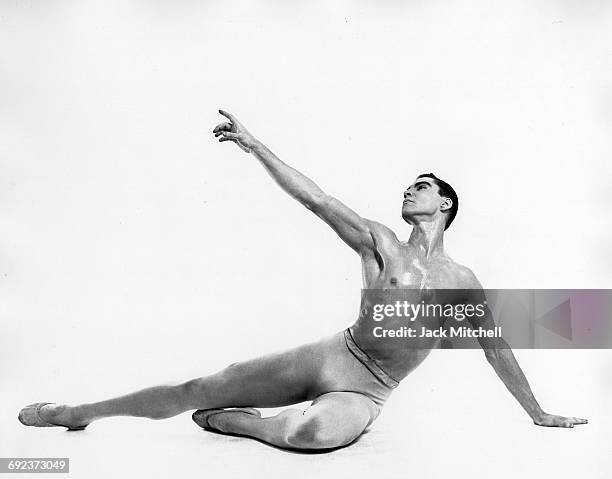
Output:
[[551, 420]]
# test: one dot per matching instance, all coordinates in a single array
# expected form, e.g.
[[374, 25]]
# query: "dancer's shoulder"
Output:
[[465, 276], [381, 230]]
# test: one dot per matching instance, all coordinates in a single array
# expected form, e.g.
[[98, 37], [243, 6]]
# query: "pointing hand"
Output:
[[234, 131]]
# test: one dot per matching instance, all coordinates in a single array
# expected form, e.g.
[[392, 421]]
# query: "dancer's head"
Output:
[[429, 198]]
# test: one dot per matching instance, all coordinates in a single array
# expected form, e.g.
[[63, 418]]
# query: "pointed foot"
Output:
[[201, 416], [32, 415]]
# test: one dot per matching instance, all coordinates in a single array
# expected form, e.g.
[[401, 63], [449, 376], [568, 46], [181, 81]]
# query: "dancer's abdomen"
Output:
[[385, 338]]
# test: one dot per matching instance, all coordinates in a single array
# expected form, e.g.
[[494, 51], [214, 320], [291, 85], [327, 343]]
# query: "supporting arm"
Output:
[[500, 356]]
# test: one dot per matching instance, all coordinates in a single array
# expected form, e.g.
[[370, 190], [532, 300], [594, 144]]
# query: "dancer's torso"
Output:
[[399, 273]]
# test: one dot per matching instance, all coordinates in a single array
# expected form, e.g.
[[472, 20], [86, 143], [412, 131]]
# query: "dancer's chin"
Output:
[[408, 218]]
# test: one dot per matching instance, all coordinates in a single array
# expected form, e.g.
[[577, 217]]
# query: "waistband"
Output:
[[368, 362]]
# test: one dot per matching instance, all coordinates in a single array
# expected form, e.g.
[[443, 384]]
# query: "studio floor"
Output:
[[466, 426]]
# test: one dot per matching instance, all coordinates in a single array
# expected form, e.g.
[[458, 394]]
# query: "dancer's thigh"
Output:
[[273, 380]]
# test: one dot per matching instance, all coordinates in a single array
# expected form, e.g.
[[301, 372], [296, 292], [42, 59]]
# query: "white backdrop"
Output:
[[136, 250]]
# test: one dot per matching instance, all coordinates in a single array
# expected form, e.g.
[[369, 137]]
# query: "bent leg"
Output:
[[333, 420]]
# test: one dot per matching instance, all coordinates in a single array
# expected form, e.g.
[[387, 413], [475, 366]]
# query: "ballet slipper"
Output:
[[201, 416], [30, 416]]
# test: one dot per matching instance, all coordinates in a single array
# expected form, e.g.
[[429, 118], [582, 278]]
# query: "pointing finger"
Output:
[[229, 116]]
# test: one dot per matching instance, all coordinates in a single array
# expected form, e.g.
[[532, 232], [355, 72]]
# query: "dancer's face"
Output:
[[422, 198]]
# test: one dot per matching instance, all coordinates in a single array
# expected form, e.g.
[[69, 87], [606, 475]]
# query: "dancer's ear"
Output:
[[446, 205]]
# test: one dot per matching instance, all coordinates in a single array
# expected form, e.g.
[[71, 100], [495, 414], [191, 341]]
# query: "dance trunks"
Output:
[[368, 362]]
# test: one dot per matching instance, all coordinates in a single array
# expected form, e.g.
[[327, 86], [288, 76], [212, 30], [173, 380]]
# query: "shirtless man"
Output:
[[349, 375]]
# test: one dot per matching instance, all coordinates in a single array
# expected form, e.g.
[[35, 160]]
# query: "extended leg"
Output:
[[333, 420], [275, 380]]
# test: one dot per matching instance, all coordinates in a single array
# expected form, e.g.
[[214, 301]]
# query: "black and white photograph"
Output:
[[343, 239]]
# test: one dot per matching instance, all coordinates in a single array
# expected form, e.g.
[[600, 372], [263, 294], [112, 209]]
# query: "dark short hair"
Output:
[[446, 190]]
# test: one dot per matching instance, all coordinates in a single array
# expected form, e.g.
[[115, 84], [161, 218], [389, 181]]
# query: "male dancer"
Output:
[[349, 375]]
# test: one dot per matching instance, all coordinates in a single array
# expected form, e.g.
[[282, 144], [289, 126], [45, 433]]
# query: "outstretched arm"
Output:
[[501, 357], [352, 228]]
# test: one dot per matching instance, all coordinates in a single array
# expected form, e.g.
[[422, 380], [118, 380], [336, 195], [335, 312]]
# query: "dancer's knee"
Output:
[[193, 392], [191, 388], [205, 389], [313, 433]]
